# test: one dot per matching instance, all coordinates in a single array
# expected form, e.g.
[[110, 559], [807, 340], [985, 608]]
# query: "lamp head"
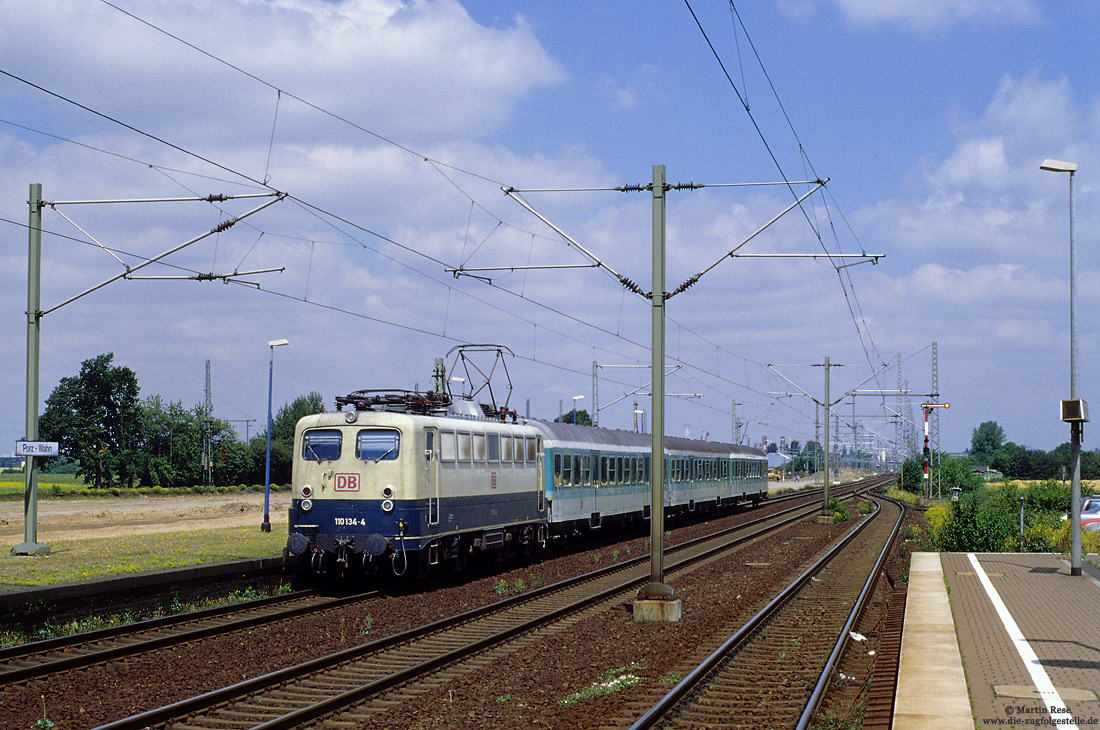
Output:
[[1058, 166], [276, 343]]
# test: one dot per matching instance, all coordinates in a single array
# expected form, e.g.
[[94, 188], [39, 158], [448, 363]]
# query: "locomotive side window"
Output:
[[447, 446], [506, 449], [532, 449], [464, 447], [321, 445], [493, 451], [377, 444]]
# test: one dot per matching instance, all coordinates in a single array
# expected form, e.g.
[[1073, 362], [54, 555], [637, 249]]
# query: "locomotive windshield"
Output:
[[377, 444], [321, 445]]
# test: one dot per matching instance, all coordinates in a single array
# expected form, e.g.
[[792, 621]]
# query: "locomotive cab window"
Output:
[[321, 445], [377, 445]]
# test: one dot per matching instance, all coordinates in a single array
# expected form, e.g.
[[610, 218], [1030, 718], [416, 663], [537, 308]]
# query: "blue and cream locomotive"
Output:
[[405, 479]]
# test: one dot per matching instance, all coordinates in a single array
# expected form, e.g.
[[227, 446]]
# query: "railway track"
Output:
[[353, 683], [773, 671], [53, 656]]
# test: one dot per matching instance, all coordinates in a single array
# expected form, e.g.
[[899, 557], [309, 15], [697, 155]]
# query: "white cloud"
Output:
[[931, 14], [1030, 112], [623, 98], [353, 58]]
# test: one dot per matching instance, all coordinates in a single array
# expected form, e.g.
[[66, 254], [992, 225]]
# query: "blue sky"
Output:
[[393, 126]]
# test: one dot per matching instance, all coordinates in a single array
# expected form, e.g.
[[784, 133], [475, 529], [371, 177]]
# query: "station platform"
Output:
[[999, 640]]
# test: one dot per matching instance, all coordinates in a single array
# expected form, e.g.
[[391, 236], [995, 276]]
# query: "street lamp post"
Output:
[[575, 399], [1074, 411], [265, 526]]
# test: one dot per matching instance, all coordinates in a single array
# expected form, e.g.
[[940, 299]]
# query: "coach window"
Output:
[[586, 470], [377, 444], [557, 470], [493, 450], [321, 445], [566, 470], [576, 469]]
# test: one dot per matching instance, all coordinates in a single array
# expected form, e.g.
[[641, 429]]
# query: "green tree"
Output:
[[985, 440], [96, 418], [581, 418], [173, 444], [958, 473], [172, 447], [912, 476], [282, 438], [282, 425]]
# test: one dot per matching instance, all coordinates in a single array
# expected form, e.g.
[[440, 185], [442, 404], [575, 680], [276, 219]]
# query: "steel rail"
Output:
[[857, 609], [208, 700], [658, 712], [141, 646]]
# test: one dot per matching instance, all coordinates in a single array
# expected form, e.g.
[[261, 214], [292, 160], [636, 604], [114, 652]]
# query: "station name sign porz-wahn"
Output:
[[36, 448]]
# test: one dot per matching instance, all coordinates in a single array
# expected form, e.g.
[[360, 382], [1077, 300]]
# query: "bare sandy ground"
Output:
[[113, 516]]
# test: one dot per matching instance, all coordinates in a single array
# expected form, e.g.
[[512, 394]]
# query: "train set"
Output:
[[400, 480]]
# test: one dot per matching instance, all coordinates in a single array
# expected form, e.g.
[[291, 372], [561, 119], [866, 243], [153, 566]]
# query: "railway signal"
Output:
[[927, 407]]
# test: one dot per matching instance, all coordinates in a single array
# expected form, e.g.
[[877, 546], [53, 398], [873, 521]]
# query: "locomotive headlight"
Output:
[[387, 492], [306, 505], [387, 505], [307, 490]]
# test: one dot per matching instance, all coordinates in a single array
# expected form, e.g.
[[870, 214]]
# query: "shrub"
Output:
[[936, 519], [840, 514]]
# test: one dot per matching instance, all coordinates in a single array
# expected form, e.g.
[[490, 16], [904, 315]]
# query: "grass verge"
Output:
[[76, 560]]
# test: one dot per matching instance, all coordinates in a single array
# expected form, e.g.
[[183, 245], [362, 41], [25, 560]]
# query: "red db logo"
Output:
[[347, 483]]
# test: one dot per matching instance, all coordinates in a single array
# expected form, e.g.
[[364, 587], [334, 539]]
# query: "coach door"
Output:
[[431, 475]]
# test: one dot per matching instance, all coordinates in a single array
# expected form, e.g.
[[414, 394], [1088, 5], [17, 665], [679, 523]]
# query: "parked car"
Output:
[[1090, 513]]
